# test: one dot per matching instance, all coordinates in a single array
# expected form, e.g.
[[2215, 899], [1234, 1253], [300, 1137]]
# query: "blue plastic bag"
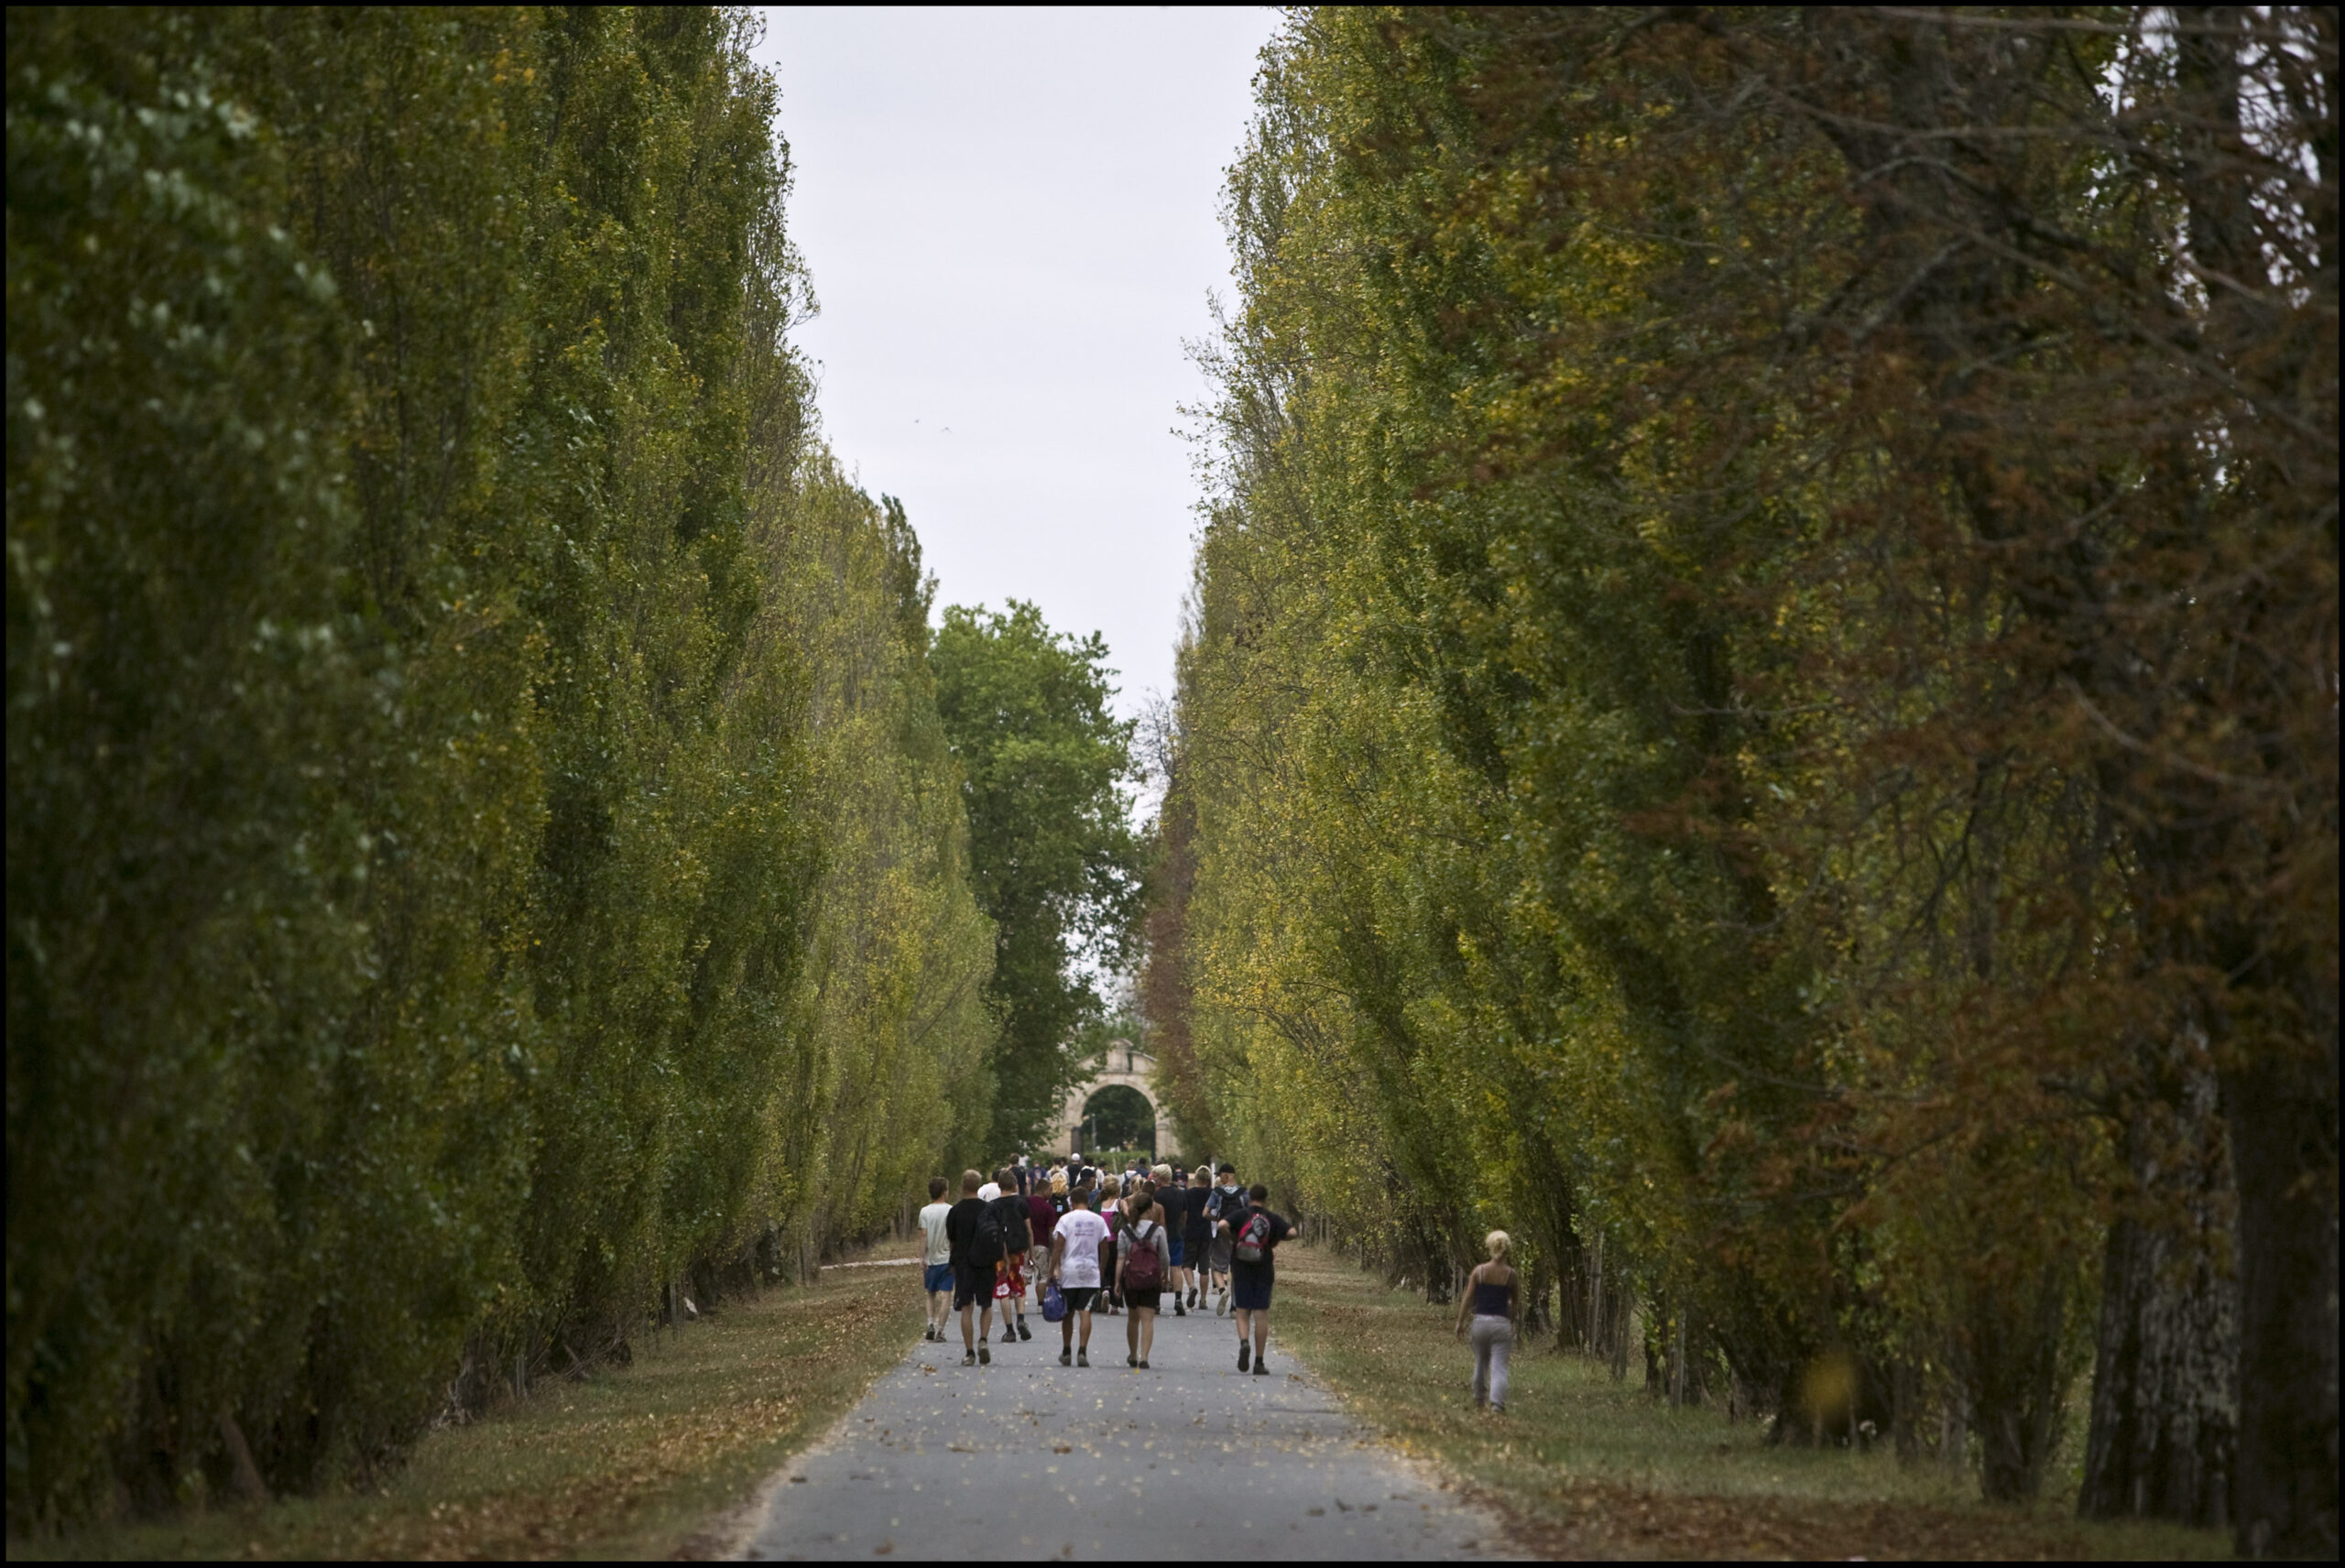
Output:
[[1053, 1303]]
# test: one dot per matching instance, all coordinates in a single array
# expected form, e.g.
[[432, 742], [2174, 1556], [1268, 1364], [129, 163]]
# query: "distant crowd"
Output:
[[1079, 1241]]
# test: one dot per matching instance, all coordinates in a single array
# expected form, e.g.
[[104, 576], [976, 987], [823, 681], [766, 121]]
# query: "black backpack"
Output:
[[991, 1242], [1017, 1222]]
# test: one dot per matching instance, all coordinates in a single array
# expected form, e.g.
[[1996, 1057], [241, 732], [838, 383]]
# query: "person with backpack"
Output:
[[1491, 1301], [1075, 1268], [1173, 1196], [1144, 1262], [1016, 1220], [977, 1244], [1196, 1233], [1225, 1198], [1253, 1233]]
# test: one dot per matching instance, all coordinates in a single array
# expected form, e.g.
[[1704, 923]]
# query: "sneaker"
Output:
[[1082, 1359], [985, 1356], [1178, 1309], [1245, 1353], [1023, 1332], [1263, 1368], [969, 1358], [1066, 1357]]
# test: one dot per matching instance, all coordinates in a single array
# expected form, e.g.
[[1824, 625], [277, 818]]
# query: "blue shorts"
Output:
[[938, 1276], [1174, 1242]]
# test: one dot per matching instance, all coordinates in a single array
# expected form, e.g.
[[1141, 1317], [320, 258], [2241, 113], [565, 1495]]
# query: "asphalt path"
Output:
[[1191, 1459]]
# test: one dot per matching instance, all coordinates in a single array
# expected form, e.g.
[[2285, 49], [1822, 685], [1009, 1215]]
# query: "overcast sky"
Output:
[[1011, 222]]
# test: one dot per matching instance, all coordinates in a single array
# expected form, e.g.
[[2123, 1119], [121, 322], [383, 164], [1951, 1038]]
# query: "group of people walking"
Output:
[[1077, 1242]]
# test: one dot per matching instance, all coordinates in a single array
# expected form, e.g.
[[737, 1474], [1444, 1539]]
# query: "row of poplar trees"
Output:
[[484, 860], [1761, 711]]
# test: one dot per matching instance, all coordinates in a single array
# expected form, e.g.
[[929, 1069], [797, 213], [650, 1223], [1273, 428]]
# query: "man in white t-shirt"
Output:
[[936, 1259], [1074, 1264]]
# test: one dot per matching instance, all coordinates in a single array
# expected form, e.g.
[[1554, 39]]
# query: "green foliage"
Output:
[[482, 845], [1642, 775], [1054, 859], [1119, 1116]]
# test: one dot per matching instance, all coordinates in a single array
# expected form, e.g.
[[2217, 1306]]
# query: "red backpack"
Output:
[[1252, 1242], [1143, 1270]]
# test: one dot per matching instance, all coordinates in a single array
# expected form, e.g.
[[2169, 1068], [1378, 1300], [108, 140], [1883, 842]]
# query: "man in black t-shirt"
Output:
[[1174, 1196], [1251, 1228], [1017, 1230], [1197, 1236], [972, 1280]]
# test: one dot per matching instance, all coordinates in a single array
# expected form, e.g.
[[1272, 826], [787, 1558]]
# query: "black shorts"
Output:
[[1250, 1288], [1142, 1301], [973, 1285], [1080, 1297]]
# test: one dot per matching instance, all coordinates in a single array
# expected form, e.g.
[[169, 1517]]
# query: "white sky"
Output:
[[1011, 218]]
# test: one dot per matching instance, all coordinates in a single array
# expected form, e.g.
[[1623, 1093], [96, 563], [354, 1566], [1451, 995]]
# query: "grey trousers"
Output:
[[1493, 1339]]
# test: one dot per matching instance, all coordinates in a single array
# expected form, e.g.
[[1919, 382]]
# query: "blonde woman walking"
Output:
[[1492, 1301]]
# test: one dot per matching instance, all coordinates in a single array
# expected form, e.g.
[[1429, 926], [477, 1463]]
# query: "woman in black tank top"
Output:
[[1492, 1301]]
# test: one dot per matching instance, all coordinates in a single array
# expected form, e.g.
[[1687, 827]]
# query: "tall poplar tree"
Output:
[[1054, 855]]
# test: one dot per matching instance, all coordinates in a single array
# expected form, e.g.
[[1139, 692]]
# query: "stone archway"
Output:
[[1123, 1063]]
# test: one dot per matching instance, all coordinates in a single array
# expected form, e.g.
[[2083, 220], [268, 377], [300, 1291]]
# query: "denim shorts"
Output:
[[1174, 1242], [937, 1277]]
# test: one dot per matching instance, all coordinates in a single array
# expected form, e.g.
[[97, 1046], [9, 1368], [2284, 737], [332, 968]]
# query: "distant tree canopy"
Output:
[[1054, 858], [1119, 1116], [481, 846], [1762, 708]]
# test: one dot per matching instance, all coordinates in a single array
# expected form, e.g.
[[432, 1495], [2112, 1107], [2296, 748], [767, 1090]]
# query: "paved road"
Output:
[[1027, 1459]]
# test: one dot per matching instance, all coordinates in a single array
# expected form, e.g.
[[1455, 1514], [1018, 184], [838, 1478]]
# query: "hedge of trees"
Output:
[[1761, 712], [484, 857]]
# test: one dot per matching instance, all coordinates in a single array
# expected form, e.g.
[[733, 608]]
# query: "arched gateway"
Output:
[[1125, 1065]]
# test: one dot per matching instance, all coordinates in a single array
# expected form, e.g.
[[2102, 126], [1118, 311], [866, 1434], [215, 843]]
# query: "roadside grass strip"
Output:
[[641, 1460], [1584, 1466]]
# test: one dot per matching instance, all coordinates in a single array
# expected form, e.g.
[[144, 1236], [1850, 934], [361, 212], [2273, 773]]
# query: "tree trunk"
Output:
[[2018, 1378], [244, 1475], [2165, 1380], [1623, 1308], [1905, 1400], [2283, 1143]]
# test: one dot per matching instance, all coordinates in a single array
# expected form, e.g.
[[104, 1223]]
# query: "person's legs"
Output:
[[1083, 1345], [1131, 1335], [1493, 1341], [1147, 1320], [1245, 1317], [1261, 1334]]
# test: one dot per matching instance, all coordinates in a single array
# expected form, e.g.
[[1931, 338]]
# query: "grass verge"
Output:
[[1583, 1466], [638, 1462]]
